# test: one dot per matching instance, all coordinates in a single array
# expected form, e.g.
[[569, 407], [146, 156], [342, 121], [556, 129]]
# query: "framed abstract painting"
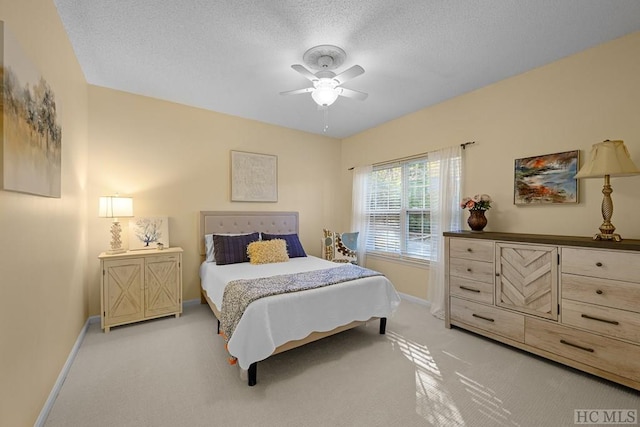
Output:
[[30, 131], [254, 177], [547, 179]]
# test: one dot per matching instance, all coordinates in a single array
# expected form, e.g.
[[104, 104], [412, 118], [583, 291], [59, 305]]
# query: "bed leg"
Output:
[[383, 325], [203, 300], [218, 327], [253, 372]]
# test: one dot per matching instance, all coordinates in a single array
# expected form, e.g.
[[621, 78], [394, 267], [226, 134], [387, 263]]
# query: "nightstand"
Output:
[[140, 285]]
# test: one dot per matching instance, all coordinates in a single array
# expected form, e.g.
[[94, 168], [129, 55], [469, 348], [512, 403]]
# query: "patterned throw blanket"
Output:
[[238, 294]]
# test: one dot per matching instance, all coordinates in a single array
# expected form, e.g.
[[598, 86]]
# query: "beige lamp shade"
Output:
[[115, 207], [608, 158]]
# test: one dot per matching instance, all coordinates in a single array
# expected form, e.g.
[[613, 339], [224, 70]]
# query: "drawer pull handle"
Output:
[[469, 270], [598, 264], [590, 350], [599, 292], [469, 250], [599, 319], [470, 289], [488, 319]]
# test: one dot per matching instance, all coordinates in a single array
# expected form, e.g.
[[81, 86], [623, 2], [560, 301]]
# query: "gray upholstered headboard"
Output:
[[246, 222]]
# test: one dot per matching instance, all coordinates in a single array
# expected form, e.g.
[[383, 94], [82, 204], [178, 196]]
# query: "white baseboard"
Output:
[[413, 299], [190, 302], [44, 413]]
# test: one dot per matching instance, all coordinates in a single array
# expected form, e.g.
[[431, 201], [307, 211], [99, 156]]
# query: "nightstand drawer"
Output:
[[614, 265], [608, 354], [501, 322], [471, 289], [471, 249], [603, 320], [594, 290], [472, 270]]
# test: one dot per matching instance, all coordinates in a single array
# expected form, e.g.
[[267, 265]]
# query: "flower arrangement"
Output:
[[479, 202]]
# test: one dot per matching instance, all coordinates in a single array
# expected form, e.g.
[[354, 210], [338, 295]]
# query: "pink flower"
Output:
[[479, 202]]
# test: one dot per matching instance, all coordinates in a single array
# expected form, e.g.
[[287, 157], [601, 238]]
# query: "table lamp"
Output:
[[608, 158], [115, 207]]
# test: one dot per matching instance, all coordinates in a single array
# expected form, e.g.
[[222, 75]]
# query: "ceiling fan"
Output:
[[327, 86]]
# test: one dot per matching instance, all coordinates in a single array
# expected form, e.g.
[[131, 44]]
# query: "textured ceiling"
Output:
[[235, 56]]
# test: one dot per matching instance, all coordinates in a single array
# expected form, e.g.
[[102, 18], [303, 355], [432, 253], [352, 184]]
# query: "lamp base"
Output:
[[613, 236], [116, 243]]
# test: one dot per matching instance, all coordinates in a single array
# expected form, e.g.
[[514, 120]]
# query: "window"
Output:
[[399, 208]]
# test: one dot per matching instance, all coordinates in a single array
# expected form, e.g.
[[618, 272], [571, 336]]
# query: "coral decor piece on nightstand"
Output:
[[477, 206]]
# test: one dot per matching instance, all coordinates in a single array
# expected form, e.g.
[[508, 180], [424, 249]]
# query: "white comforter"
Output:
[[273, 321]]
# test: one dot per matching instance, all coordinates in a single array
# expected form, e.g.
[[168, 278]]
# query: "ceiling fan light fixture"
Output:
[[325, 92], [327, 85]]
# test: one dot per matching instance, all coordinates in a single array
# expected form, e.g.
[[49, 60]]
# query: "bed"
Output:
[[278, 323]]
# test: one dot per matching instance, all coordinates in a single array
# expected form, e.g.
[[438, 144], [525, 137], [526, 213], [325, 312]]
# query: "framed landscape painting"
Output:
[[547, 179], [31, 136]]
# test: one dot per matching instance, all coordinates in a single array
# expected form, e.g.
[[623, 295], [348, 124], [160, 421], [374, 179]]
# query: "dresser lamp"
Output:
[[607, 159], [115, 207]]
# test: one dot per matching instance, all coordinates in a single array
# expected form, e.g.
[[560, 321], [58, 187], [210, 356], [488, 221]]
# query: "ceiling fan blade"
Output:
[[349, 74], [306, 73], [355, 94], [297, 91]]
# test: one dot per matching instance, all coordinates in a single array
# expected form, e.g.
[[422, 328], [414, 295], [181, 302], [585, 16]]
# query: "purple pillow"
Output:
[[294, 247], [232, 249]]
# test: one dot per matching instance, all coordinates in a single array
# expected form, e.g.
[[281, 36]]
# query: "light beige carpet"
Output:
[[174, 372]]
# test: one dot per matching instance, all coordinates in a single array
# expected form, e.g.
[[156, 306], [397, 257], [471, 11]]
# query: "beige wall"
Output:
[[174, 161], [567, 105], [43, 287]]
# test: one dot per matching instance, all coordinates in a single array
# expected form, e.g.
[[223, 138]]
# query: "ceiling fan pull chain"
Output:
[[326, 119]]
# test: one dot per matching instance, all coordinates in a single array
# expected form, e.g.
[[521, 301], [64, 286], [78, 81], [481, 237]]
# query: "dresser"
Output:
[[140, 285], [570, 299]]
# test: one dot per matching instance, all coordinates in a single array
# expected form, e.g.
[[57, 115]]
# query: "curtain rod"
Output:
[[414, 156]]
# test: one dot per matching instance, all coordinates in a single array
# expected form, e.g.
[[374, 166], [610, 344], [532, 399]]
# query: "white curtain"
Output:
[[446, 215], [359, 218]]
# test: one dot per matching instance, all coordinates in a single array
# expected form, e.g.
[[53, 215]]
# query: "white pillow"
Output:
[[208, 244]]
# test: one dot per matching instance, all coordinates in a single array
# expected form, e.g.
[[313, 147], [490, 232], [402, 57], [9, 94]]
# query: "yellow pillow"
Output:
[[267, 251]]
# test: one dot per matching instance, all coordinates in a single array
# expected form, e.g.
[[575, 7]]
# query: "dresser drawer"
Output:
[[501, 322], [603, 320], [608, 354], [471, 289], [594, 290], [614, 265], [473, 270], [471, 249]]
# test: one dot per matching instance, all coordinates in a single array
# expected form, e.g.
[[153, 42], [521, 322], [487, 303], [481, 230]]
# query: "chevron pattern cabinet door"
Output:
[[124, 293], [162, 293], [527, 279]]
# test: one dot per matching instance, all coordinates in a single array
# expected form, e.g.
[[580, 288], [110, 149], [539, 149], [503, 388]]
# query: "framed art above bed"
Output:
[[254, 177]]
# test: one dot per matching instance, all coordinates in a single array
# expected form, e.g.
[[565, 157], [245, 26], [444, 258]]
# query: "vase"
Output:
[[477, 221]]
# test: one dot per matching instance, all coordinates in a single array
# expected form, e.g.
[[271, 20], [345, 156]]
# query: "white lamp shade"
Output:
[[325, 93], [608, 158], [115, 207]]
